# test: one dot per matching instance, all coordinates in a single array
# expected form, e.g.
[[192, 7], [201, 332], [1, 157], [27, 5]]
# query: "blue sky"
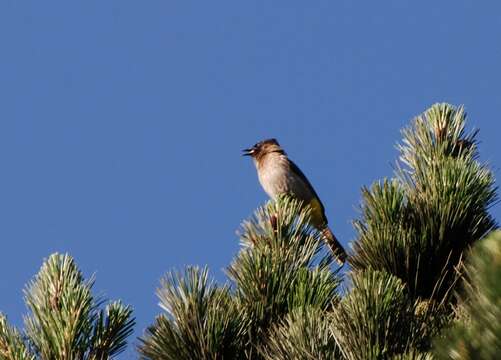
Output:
[[121, 122]]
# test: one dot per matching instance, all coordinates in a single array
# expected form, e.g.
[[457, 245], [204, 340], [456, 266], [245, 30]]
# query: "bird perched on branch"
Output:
[[279, 175]]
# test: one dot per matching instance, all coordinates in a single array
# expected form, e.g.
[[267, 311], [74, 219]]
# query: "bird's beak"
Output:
[[248, 152]]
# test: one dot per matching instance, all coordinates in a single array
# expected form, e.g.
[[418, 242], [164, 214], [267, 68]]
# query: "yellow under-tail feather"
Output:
[[317, 213], [320, 222]]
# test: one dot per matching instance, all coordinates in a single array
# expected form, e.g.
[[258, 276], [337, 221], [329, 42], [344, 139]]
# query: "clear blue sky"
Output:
[[121, 122]]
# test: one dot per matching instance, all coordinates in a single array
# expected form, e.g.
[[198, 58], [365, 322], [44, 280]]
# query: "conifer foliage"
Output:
[[201, 322], [66, 322], [476, 334], [418, 225], [278, 281]]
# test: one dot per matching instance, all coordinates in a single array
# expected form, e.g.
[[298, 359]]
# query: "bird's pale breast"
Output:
[[276, 177], [272, 174]]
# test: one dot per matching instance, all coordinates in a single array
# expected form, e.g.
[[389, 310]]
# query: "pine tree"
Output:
[[283, 299], [419, 226], [66, 322]]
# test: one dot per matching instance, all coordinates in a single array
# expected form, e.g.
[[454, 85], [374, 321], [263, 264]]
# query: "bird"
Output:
[[279, 175]]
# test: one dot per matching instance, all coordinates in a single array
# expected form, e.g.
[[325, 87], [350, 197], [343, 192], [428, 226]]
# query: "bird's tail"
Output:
[[336, 247]]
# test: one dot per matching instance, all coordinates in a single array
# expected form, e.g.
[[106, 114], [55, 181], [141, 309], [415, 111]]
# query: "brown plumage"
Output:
[[279, 175]]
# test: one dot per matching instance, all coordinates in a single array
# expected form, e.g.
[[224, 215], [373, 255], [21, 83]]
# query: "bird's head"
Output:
[[262, 148]]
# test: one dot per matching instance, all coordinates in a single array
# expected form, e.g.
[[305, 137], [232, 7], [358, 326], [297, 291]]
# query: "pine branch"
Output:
[[477, 333], [375, 320], [438, 133], [113, 326], [65, 321], [304, 333], [62, 308], [201, 321], [280, 268], [418, 225], [12, 344]]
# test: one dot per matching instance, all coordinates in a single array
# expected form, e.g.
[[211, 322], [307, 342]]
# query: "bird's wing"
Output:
[[295, 169]]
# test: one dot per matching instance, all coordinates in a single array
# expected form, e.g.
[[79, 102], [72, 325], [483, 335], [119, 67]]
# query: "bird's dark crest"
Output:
[[271, 141]]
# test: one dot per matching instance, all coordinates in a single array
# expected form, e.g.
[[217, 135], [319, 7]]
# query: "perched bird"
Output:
[[279, 175]]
